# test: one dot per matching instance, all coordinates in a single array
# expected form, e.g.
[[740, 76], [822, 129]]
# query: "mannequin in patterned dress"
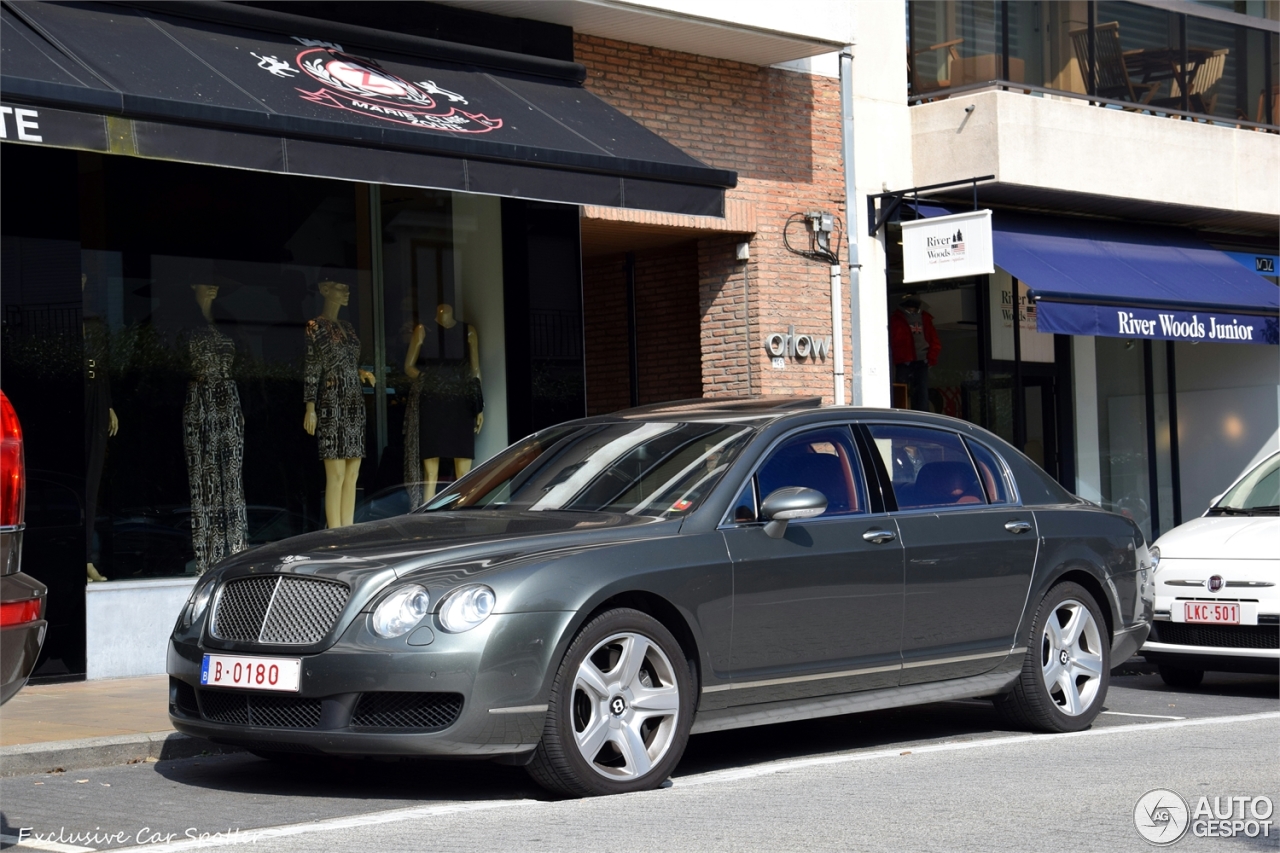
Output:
[[213, 435], [334, 402]]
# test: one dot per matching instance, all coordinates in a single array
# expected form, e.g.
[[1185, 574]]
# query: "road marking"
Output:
[[253, 836], [51, 846], [712, 778], [786, 765], [1152, 716]]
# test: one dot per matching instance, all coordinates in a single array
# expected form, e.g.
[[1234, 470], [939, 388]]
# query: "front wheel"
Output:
[[620, 710], [1067, 667]]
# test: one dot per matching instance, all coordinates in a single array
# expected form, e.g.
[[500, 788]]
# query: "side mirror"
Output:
[[792, 502]]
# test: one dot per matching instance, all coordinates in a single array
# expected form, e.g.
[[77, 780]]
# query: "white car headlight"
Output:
[[1155, 557], [197, 603], [467, 607], [400, 611]]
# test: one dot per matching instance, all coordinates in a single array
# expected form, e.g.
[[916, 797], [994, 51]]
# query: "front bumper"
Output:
[[500, 672]]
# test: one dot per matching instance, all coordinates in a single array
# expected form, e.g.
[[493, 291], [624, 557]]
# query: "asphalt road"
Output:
[[938, 777]]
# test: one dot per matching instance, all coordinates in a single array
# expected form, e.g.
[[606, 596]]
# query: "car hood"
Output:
[[418, 541], [1222, 537]]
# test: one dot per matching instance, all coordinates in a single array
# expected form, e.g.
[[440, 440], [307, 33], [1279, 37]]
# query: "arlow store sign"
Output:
[[1156, 324], [947, 247]]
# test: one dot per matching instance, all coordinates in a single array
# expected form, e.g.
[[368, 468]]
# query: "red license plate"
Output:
[[1208, 611]]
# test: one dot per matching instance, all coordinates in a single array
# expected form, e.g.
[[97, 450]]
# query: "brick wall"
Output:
[[780, 131], [667, 328]]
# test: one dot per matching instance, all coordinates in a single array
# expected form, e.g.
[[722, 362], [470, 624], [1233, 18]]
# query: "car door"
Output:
[[819, 610], [969, 549]]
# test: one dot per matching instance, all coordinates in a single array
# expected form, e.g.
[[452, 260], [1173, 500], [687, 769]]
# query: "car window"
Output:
[[1258, 491], [823, 460], [744, 508], [928, 467], [640, 468], [992, 474]]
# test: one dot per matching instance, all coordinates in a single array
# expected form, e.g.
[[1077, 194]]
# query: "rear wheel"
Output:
[[620, 710], [1176, 676], [1067, 667]]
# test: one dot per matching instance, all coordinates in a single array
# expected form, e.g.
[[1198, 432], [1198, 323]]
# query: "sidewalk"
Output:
[[91, 724]]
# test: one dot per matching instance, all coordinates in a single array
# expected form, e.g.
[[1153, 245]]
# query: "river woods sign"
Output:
[[947, 247]]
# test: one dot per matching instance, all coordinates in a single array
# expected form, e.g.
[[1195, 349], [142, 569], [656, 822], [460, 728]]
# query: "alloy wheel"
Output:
[[1071, 658], [625, 705]]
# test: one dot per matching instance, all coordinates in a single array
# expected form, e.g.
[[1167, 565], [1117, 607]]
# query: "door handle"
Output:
[[879, 536], [1017, 526]]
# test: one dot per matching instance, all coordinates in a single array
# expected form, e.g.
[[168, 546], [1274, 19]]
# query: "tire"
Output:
[[1176, 676], [1067, 668], [615, 723]]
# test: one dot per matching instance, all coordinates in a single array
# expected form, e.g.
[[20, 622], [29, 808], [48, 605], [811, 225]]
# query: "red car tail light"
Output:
[[13, 475], [19, 612]]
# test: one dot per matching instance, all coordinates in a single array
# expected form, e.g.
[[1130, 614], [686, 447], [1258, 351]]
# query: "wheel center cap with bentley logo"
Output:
[[618, 706], [1063, 656], [1216, 583]]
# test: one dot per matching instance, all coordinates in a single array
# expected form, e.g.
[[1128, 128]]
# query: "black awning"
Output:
[[228, 85]]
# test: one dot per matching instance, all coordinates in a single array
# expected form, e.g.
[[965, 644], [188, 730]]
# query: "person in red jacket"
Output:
[[914, 346]]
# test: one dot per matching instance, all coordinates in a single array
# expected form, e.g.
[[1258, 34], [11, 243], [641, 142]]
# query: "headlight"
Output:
[[401, 611], [1155, 557], [197, 603], [465, 608]]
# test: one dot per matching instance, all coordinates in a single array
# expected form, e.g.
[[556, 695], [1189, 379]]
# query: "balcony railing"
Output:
[[1124, 55]]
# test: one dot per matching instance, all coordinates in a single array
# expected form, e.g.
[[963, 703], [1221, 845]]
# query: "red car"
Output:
[[22, 624]]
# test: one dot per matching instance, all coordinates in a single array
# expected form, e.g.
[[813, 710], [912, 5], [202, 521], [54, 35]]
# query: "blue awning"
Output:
[[1132, 281]]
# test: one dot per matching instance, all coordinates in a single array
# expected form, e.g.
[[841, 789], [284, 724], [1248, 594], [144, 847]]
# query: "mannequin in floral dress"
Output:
[[335, 411]]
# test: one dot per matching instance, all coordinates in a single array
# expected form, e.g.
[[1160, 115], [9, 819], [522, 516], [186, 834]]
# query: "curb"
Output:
[[26, 759]]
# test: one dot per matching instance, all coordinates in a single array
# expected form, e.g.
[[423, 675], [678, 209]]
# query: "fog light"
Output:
[[465, 608], [401, 611]]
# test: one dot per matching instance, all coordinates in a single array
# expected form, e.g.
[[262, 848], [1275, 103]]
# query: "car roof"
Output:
[[760, 411]]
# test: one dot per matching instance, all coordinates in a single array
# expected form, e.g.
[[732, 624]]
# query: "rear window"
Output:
[[928, 467], [995, 483]]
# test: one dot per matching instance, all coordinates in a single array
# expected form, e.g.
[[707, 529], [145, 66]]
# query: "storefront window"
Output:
[[205, 360], [1118, 438]]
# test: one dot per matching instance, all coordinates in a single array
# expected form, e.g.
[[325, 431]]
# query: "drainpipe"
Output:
[[852, 232]]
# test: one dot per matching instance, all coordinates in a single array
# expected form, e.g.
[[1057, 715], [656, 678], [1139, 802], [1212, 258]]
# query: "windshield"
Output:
[[651, 469], [1259, 491]]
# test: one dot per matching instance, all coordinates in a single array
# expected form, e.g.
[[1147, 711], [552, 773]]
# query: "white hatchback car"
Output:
[[1218, 585]]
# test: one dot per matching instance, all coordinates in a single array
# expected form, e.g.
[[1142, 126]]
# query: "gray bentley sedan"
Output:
[[587, 599]]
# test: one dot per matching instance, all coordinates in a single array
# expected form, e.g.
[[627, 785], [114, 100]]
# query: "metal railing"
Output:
[[1128, 106]]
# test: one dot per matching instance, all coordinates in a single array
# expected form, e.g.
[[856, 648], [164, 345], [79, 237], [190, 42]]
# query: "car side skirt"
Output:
[[986, 684]]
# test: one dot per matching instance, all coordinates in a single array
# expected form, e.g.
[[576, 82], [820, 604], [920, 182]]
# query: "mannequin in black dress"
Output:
[[451, 408], [332, 380]]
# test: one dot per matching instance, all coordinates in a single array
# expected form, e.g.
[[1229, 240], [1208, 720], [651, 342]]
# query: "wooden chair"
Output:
[[1112, 78], [946, 62], [1206, 77]]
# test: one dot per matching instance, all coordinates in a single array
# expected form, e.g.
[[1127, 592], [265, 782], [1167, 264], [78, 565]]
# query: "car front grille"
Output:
[[1220, 636], [407, 710], [278, 609], [253, 709]]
